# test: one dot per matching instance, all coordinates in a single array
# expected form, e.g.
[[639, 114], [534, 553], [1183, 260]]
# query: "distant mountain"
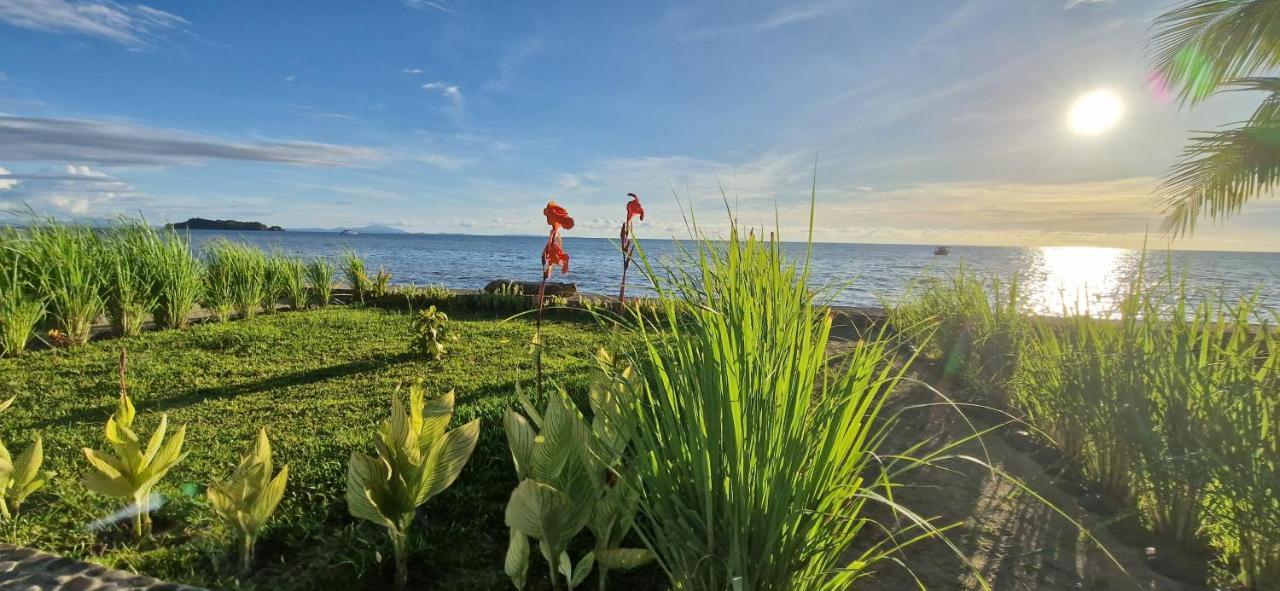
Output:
[[203, 224], [375, 229]]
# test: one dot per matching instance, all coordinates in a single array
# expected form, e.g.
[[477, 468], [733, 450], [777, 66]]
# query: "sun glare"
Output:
[[1095, 112]]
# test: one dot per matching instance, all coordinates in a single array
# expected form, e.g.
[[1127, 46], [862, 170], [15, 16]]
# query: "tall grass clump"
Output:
[[20, 309], [130, 290], [277, 281], [64, 263], [176, 275], [974, 325], [320, 275], [243, 268], [751, 449], [219, 280], [353, 269], [292, 275]]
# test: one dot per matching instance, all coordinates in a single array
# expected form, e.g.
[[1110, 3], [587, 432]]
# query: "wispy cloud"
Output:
[[105, 142], [512, 61], [439, 5], [129, 25], [788, 15], [69, 189], [411, 71], [450, 91]]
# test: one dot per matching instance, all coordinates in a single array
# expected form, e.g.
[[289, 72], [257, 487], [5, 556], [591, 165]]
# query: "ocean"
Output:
[[1053, 278]]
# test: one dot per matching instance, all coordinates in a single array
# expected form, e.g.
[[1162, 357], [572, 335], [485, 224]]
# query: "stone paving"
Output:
[[24, 569]]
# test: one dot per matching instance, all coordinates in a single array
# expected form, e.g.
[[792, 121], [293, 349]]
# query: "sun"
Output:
[[1095, 112]]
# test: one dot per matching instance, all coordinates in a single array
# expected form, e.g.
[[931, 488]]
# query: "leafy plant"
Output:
[[320, 275], [219, 280], [65, 265], [551, 504], [175, 275], [430, 331], [132, 471], [754, 446], [130, 294], [20, 311], [292, 273], [357, 277], [246, 500], [417, 459], [22, 477], [381, 283]]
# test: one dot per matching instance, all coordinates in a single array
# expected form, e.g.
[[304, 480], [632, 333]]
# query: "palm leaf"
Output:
[[1203, 44]]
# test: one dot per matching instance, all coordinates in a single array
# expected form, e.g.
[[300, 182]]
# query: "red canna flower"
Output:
[[628, 246], [557, 217], [553, 253], [634, 208]]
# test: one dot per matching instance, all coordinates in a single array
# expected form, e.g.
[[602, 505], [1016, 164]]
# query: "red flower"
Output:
[[634, 208], [557, 218], [553, 253]]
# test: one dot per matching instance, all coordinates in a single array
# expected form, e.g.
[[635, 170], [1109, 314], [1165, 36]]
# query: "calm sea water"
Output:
[[863, 274]]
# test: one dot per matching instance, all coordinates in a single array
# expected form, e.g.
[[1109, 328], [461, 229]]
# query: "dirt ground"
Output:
[[1013, 541]]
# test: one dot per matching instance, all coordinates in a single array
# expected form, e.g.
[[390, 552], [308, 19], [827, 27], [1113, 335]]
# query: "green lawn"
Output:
[[319, 381]]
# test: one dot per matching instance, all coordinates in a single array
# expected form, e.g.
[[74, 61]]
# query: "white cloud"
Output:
[[442, 161], [1074, 3], [290, 78], [84, 171], [108, 142], [128, 25], [788, 15], [450, 91], [411, 71], [6, 182], [439, 5]]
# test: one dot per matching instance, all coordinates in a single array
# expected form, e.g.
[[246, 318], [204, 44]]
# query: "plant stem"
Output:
[[4, 508], [402, 568], [246, 554]]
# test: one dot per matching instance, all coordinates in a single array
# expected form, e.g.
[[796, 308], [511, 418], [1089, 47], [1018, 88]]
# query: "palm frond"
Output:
[[1221, 171], [1201, 45]]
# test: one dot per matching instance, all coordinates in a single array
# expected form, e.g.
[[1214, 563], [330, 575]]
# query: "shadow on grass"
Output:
[[302, 378]]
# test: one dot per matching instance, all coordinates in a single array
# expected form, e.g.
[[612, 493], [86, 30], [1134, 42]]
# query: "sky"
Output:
[[933, 122]]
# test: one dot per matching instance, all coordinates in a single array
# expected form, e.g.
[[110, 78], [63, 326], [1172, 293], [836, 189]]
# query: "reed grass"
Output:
[[291, 272], [219, 279], [130, 291], [64, 263], [320, 275], [175, 274], [353, 269], [20, 310], [751, 448]]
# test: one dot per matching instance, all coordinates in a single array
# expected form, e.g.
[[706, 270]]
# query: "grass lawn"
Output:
[[319, 381]]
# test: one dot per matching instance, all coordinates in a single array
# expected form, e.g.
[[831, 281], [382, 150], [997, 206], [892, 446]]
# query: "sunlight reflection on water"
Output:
[[1076, 278]]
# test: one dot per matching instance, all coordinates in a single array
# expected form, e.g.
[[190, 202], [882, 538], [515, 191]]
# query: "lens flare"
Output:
[[1095, 112]]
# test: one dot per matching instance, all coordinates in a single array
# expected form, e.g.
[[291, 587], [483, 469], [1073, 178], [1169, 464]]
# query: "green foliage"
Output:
[[130, 291], [175, 275], [1202, 47], [21, 477], [320, 276], [292, 274], [20, 310], [357, 277], [380, 286], [219, 281], [314, 380], [552, 502], [246, 500], [507, 298], [64, 263], [417, 459], [430, 331], [132, 471], [754, 447]]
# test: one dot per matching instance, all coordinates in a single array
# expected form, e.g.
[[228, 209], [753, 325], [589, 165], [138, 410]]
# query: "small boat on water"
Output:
[[348, 233], [942, 251]]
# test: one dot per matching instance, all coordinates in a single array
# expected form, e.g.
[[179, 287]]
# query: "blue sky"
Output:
[[931, 122]]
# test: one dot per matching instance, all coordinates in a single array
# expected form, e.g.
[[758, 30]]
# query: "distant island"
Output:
[[372, 229], [203, 224]]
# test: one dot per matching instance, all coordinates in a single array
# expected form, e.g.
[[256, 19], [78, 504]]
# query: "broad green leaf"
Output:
[[435, 418], [265, 504], [451, 456], [153, 446], [516, 563], [520, 438], [542, 512], [623, 558], [582, 569]]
